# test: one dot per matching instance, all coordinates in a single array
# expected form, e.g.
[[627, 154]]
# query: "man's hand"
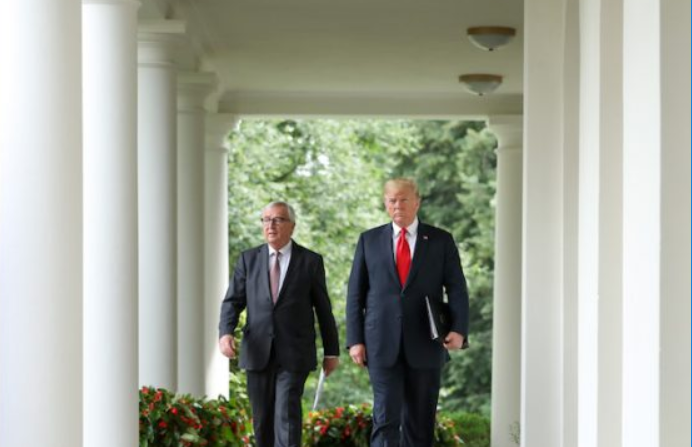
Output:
[[358, 354], [454, 340], [227, 346], [329, 364]]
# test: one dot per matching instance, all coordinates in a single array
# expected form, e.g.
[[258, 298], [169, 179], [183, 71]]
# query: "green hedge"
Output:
[[474, 428], [166, 419], [351, 425]]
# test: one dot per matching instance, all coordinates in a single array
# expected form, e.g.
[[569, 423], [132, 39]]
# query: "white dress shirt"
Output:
[[411, 236], [285, 260]]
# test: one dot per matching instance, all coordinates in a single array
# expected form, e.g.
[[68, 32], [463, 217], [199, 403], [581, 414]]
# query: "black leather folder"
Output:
[[440, 320]]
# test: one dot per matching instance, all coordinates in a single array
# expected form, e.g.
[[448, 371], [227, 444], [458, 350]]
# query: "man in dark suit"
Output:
[[395, 267], [283, 286]]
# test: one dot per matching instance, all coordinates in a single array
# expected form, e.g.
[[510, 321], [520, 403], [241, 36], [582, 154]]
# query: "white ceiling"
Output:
[[355, 56]]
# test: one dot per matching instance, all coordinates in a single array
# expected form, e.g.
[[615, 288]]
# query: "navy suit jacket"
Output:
[[290, 324], [382, 314]]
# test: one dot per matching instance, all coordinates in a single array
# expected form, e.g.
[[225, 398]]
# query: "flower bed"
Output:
[[169, 420], [166, 419], [351, 425]]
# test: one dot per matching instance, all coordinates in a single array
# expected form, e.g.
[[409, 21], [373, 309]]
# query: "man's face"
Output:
[[402, 205], [276, 226]]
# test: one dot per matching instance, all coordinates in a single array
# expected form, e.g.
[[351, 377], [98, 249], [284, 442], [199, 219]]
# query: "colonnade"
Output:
[[107, 244], [113, 225]]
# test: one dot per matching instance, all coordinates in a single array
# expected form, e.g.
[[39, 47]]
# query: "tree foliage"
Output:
[[455, 168], [332, 173]]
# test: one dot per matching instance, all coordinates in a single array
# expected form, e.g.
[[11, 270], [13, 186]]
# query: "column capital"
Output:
[[509, 130], [218, 125], [157, 41], [193, 88]]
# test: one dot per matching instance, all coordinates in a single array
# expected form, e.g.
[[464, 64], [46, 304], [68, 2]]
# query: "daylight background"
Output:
[[332, 172]]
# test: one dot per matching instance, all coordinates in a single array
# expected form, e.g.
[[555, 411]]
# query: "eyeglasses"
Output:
[[266, 221]]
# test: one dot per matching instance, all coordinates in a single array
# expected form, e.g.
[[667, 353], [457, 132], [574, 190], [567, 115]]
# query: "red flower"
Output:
[[162, 424], [145, 390], [174, 410]]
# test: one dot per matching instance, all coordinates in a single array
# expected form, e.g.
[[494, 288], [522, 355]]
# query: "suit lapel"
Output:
[[264, 272], [422, 241], [388, 249], [296, 253]]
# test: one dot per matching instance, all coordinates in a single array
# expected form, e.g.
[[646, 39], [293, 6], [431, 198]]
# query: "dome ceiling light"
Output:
[[481, 84], [490, 38]]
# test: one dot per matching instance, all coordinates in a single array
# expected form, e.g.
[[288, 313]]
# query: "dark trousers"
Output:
[[405, 405], [275, 395]]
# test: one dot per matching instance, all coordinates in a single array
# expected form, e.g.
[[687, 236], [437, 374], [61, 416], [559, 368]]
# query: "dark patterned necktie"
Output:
[[275, 276]]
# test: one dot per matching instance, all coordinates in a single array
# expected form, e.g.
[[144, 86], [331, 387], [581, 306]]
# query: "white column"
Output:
[[216, 270], [506, 380], [610, 227], [192, 88], [110, 222], [641, 223], [41, 223], [675, 223], [542, 288], [570, 216], [588, 222], [157, 212], [600, 224]]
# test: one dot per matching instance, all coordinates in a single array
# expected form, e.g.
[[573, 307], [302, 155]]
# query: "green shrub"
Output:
[[351, 426], [473, 428], [348, 426], [166, 419], [169, 420]]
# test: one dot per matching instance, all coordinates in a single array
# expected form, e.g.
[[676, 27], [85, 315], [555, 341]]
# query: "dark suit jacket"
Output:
[[290, 324], [381, 313]]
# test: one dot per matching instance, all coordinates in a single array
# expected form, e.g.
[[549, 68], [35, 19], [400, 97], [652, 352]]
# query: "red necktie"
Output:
[[403, 257]]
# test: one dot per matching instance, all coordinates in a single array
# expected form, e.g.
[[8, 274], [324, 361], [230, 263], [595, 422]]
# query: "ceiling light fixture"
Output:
[[481, 84], [490, 38]]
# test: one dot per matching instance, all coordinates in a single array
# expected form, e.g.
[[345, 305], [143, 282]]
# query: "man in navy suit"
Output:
[[283, 286], [395, 267]]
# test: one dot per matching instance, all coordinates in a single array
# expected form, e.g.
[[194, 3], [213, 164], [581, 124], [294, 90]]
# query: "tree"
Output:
[[332, 173], [455, 168]]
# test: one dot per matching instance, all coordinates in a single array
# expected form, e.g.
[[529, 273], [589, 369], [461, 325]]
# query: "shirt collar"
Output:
[[411, 229], [285, 250]]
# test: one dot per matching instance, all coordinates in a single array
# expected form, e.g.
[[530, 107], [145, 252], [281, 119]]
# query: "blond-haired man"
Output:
[[395, 267]]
